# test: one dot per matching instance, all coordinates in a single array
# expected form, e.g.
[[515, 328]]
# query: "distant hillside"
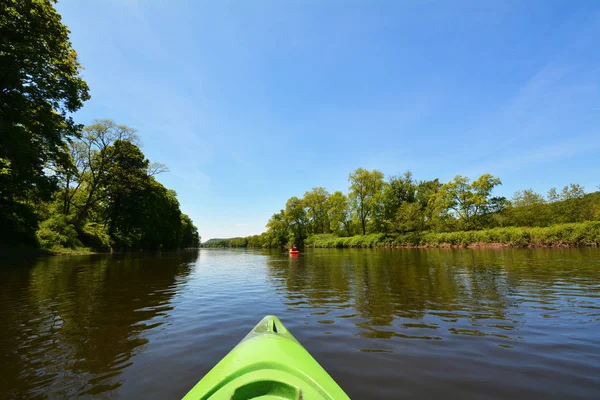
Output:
[[215, 240], [218, 242]]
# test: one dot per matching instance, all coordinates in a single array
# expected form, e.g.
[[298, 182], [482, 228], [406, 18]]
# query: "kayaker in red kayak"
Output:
[[294, 250]]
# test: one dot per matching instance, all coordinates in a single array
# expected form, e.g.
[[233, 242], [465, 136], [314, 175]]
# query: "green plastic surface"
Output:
[[269, 363]]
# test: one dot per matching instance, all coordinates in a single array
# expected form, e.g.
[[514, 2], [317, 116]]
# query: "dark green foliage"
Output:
[[18, 222], [161, 218], [140, 213], [57, 232], [296, 220], [39, 85], [95, 236], [108, 199], [189, 233], [278, 229], [90, 186]]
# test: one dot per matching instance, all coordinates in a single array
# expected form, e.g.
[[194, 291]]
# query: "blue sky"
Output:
[[252, 102]]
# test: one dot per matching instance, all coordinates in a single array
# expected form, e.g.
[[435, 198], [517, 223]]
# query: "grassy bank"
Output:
[[66, 251], [575, 234]]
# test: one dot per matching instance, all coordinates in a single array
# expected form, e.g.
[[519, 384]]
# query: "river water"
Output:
[[386, 324]]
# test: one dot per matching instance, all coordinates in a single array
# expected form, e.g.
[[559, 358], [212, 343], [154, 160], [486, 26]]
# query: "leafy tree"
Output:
[[571, 206], [399, 190], [278, 229], [465, 199], [528, 209], [297, 220], [315, 202], [40, 84], [403, 189], [527, 197], [161, 226], [141, 212], [189, 233], [426, 190], [572, 191], [497, 211], [409, 217], [365, 191], [110, 197], [339, 213], [97, 153], [125, 192], [552, 195]]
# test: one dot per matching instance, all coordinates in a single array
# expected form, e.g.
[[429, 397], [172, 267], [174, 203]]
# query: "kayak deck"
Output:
[[269, 363]]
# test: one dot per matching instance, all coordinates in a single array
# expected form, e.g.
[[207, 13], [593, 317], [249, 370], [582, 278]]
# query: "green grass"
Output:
[[67, 251], [574, 234]]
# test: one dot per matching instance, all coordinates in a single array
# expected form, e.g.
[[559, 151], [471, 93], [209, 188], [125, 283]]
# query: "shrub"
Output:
[[57, 232], [573, 234], [96, 236]]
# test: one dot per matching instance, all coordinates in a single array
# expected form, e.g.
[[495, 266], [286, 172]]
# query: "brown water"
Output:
[[386, 324]]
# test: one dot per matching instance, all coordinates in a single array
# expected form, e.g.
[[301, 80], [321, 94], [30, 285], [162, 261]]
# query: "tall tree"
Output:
[[426, 190], [161, 227], [528, 209], [527, 197], [277, 229], [409, 217], [467, 200], [98, 153], [339, 212], [297, 220], [189, 233], [572, 191], [114, 198], [315, 202], [140, 212], [398, 190], [124, 193], [40, 84], [365, 190], [571, 204]]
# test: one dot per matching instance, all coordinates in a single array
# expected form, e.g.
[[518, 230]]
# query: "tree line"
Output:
[[63, 185], [401, 205]]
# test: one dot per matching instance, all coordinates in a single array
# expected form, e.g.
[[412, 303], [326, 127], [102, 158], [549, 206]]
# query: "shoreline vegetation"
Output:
[[66, 188], [404, 212], [561, 235]]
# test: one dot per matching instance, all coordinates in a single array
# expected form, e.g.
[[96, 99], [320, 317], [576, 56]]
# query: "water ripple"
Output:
[[474, 323]]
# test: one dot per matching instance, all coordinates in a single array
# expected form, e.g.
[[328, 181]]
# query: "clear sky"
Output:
[[252, 102]]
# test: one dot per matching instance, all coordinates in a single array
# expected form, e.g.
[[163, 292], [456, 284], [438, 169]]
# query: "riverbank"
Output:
[[562, 235], [32, 251]]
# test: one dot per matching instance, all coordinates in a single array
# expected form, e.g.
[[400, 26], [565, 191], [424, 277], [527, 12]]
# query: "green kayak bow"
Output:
[[269, 363]]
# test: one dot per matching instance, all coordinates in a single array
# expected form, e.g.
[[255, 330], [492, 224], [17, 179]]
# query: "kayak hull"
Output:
[[269, 363]]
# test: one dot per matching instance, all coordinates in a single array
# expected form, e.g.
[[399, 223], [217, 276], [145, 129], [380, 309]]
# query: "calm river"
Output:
[[386, 324]]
